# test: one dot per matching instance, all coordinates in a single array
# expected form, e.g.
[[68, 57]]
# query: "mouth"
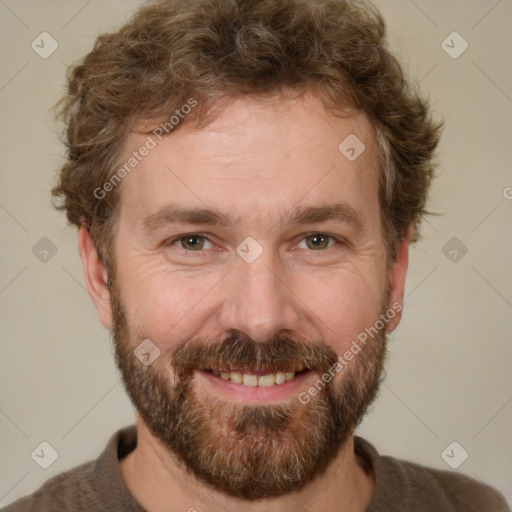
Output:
[[256, 378], [250, 386]]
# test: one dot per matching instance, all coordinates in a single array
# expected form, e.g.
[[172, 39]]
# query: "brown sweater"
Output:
[[401, 486]]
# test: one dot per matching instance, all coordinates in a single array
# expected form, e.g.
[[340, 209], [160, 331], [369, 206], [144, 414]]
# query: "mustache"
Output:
[[240, 352]]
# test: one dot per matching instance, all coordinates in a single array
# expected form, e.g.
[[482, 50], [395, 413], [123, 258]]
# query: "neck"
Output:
[[160, 483]]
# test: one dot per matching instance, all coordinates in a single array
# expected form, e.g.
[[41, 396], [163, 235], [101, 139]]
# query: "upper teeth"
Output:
[[248, 379]]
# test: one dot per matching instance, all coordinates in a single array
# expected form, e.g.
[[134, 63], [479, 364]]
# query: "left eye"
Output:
[[318, 241]]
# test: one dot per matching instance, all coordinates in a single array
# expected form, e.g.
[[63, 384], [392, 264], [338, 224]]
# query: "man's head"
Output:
[[175, 54], [251, 174]]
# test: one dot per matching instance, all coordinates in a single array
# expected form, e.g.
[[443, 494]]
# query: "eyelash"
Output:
[[171, 242]]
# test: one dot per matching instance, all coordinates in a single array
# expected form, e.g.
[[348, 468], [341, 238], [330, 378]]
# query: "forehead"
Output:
[[256, 158]]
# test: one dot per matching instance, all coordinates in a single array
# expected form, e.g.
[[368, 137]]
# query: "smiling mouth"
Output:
[[252, 378]]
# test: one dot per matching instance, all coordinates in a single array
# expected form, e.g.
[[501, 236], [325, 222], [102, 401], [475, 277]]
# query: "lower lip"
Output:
[[253, 394]]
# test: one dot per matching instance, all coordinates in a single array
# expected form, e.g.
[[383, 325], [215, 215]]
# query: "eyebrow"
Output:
[[173, 214]]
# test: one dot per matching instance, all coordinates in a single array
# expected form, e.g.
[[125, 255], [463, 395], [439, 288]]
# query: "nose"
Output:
[[258, 300]]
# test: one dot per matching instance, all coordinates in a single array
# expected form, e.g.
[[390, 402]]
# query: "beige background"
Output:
[[449, 376]]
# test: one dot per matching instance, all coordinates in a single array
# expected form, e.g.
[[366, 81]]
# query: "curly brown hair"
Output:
[[175, 50]]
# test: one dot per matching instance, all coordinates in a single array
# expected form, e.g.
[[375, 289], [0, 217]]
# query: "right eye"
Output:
[[192, 242]]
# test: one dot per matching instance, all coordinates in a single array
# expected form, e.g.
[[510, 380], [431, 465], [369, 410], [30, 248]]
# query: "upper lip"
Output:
[[266, 371]]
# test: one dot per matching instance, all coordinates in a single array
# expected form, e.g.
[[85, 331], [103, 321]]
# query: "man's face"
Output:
[[278, 287]]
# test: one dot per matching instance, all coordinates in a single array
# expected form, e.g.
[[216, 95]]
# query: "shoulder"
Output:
[[403, 485], [93, 486], [465, 494], [71, 490]]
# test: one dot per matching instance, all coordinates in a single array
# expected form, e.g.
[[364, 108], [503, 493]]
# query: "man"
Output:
[[246, 177]]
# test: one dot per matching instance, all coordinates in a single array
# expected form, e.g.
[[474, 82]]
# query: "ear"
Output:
[[96, 276], [397, 280]]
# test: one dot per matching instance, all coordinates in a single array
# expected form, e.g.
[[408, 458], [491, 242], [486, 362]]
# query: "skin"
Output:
[[257, 161]]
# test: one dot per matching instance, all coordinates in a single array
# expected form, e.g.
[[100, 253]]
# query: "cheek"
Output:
[[165, 306], [342, 304]]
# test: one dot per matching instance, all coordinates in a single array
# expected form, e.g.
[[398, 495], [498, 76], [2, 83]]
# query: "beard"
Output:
[[248, 451]]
